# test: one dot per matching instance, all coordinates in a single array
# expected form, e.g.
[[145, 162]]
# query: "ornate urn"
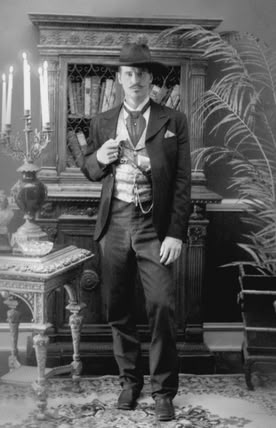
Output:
[[6, 214], [29, 194]]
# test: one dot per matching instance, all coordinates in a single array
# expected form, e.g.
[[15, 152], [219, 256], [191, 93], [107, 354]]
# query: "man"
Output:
[[144, 165]]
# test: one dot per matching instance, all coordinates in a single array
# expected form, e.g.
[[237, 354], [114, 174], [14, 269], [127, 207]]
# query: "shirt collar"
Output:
[[140, 106]]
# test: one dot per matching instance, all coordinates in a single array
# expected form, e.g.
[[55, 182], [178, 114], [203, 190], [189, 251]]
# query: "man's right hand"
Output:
[[108, 152]]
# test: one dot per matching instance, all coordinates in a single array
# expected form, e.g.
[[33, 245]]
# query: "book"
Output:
[[158, 93], [174, 97], [101, 96], [112, 98], [95, 94], [87, 95], [118, 91], [78, 97], [162, 94], [176, 102], [74, 147], [72, 106], [70, 161], [166, 97], [81, 140], [107, 94], [177, 106], [154, 92]]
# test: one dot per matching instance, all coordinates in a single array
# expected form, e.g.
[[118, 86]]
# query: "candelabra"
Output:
[[29, 192]]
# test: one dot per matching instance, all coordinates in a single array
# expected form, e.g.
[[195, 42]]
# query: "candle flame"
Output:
[[24, 55], [11, 69], [3, 77]]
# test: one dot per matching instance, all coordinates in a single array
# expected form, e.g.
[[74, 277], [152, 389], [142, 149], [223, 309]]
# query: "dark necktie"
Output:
[[136, 123]]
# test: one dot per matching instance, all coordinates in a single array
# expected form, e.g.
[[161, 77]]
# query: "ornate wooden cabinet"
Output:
[[81, 52]]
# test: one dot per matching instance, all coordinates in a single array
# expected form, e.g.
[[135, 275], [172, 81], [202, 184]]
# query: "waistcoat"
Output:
[[131, 185]]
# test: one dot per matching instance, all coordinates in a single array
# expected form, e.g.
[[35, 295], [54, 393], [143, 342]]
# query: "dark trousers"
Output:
[[131, 241]]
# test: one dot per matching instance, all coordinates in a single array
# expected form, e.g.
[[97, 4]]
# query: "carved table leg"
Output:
[[40, 385], [247, 366], [247, 371], [13, 318], [75, 321]]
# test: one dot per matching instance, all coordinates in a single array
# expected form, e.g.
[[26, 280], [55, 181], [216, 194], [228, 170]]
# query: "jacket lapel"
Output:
[[110, 120], [109, 126], [157, 120]]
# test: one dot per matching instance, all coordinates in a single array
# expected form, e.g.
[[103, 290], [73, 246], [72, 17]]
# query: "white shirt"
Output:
[[130, 184]]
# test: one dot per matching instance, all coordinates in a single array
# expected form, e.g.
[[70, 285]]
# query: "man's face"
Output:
[[136, 83]]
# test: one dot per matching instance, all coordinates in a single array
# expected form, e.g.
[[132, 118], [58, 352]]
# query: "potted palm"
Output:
[[240, 108]]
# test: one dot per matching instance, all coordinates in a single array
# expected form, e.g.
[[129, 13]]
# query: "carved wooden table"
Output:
[[33, 279]]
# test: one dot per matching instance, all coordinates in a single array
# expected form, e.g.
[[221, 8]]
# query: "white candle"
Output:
[[28, 91], [3, 103], [46, 92], [9, 98], [42, 103], [25, 79]]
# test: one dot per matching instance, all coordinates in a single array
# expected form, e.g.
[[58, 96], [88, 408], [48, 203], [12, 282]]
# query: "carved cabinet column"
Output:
[[195, 271], [197, 87], [198, 223]]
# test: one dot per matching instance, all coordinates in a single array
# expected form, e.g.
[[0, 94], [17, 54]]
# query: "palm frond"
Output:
[[257, 55], [241, 104]]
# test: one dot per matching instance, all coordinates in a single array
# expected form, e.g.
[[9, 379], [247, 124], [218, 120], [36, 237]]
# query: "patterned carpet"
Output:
[[209, 401]]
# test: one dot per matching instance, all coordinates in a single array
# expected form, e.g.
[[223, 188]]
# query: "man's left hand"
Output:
[[170, 250]]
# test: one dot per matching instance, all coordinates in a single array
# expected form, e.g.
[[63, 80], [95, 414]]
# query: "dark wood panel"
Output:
[[221, 284]]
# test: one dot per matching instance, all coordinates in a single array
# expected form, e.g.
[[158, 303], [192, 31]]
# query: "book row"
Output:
[[92, 95]]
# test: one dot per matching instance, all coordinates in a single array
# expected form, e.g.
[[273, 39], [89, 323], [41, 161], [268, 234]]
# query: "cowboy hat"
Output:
[[138, 54]]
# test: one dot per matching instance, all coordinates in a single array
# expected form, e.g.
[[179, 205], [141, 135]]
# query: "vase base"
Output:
[[28, 232]]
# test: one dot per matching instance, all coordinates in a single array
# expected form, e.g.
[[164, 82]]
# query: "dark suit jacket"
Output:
[[167, 143]]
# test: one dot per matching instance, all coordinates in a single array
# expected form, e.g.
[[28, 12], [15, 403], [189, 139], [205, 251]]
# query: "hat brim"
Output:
[[155, 67]]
